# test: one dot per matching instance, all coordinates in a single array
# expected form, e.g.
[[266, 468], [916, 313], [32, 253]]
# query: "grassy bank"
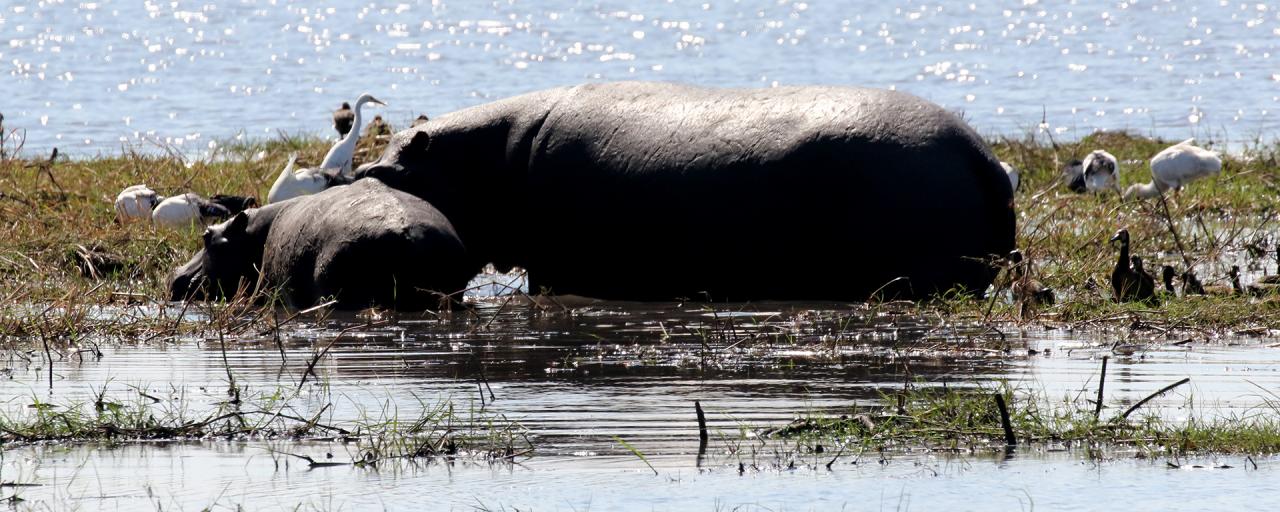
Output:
[[1209, 226], [55, 217]]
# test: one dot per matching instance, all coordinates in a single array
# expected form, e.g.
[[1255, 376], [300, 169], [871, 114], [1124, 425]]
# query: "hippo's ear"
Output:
[[418, 142], [236, 226]]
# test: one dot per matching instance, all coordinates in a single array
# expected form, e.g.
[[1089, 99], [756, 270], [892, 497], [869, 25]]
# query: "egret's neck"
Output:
[[356, 124]]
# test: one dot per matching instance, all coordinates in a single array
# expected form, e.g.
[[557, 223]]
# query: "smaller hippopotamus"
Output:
[[363, 244]]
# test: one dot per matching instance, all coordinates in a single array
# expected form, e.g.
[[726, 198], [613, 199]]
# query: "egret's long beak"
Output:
[[376, 101]]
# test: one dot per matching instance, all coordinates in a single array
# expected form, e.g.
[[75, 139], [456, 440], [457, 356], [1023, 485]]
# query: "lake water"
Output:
[[581, 381], [90, 76]]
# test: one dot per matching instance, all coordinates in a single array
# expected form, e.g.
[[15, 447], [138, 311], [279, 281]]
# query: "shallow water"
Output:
[[580, 381], [89, 76], [190, 476]]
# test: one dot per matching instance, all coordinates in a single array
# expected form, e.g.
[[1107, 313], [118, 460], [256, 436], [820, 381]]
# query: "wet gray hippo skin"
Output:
[[651, 191], [365, 243]]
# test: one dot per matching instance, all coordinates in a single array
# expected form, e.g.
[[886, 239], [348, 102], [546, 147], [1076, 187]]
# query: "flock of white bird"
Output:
[[1172, 168], [141, 203]]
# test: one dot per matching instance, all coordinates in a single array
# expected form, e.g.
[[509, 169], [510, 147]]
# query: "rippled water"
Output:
[[88, 76], [580, 381]]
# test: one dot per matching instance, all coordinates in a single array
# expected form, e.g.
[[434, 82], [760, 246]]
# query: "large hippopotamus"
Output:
[[655, 191], [363, 244]]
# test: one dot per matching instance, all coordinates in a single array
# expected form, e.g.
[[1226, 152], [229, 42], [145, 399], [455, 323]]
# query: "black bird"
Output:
[[377, 127], [1128, 284], [1261, 288], [422, 118], [1073, 174], [234, 204], [1029, 293], [343, 118], [1145, 278], [1191, 284], [1274, 279], [1166, 275]]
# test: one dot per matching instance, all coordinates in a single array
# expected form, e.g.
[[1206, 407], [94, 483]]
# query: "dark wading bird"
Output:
[[1191, 284], [1231, 288], [1147, 281], [1128, 283], [1073, 175], [422, 119], [1029, 293], [1166, 276], [1261, 288], [377, 127], [343, 118], [1273, 279]]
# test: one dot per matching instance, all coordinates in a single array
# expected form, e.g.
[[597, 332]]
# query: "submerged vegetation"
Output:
[[445, 428], [969, 420]]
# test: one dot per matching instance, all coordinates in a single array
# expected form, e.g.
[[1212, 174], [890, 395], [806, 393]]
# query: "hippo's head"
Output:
[[391, 164], [225, 264]]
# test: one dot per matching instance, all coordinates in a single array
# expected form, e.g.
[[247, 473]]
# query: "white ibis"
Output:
[[1013, 175], [1101, 171], [185, 210], [1176, 166], [135, 203]]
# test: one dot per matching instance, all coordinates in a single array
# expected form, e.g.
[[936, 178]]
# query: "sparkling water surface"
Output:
[[91, 76]]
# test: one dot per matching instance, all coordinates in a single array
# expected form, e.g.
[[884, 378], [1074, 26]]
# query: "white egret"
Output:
[[1101, 171], [339, 156], [294, 183], [185, 210]]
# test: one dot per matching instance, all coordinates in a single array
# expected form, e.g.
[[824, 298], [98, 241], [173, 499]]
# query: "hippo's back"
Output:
[[792, 192], [366, 243]]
